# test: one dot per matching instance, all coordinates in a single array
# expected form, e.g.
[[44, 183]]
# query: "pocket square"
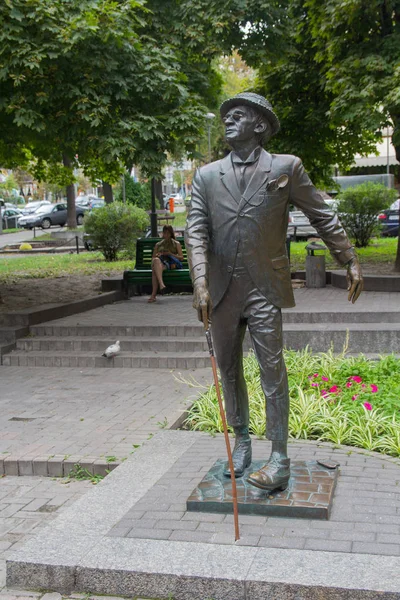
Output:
[[277, 184]]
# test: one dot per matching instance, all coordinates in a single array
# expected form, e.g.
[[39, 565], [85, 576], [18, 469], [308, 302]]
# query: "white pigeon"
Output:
[[112, 350]]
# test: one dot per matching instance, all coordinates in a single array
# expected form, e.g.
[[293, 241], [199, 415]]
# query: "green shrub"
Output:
[[334, 398], [359, 207], [115, 227]]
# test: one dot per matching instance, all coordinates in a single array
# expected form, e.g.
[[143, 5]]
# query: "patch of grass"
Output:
[[180, 219], [81, 474], [333, 398], [12, 230], [110, 459], [59, 265], [381, 250]]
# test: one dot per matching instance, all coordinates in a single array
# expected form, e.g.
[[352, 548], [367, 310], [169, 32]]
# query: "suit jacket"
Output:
[[220, 217]]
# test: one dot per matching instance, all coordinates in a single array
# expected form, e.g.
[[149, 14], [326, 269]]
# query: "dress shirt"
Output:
[[244, 169]]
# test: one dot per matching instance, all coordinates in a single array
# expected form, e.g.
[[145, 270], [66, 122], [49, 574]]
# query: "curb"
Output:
[[54, 466]]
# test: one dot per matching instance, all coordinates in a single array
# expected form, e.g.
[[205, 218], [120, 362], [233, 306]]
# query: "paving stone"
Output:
[[191, 536], [278, 542], [329, 545], [368, 548], [151, 534]]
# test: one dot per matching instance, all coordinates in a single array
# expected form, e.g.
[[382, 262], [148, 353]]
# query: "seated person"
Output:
[[167, 255]]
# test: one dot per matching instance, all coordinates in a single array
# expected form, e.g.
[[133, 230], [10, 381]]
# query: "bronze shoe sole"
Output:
[[269, 487]]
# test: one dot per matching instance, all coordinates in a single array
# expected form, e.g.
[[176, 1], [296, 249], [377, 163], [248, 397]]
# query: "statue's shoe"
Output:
[[274, 475], [241, 458]]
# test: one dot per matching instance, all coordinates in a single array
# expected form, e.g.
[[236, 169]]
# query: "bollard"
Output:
[[171, 205], [315, 266]]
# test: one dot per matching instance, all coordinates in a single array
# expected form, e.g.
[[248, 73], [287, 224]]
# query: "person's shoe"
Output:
[[274, 475], [241, 457]]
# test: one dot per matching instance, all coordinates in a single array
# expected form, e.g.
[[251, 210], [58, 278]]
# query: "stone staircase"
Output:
[[184, 346]]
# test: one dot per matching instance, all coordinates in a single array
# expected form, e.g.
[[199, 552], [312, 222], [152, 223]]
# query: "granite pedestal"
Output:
[[131, 536]]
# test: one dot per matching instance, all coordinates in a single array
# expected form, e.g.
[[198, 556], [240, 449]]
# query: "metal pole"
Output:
[[209, 141], [77, 244], [153, 214], [387, 149], [225, 427], [123, 188]]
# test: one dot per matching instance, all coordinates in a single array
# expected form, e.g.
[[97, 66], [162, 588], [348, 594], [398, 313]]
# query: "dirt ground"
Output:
[[26, 293]]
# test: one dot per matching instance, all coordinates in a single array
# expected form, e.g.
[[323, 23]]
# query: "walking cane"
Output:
[[222, 413]]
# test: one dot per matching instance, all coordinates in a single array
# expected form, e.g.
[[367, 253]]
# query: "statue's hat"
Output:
[[255, 101]]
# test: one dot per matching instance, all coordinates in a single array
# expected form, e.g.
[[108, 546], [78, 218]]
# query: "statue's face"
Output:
[[240, 124]]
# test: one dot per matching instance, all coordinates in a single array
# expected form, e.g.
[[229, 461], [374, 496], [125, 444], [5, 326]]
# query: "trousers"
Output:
[[245, 306]]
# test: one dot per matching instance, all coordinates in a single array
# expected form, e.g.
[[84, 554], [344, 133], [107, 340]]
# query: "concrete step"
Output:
[[99, 344], [374, 338], [196, 330], [185, 352], [371, 337], [9, 335], [117, 332], [152, 360]]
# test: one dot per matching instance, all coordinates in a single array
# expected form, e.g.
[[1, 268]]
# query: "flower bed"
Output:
[[333, 398]]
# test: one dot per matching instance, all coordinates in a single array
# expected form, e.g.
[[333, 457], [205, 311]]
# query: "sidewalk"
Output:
[[54, 414]]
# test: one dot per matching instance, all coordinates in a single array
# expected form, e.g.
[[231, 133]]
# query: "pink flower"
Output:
[[334, 389], [315, 375], [367, 405], [325, 378], [314, 384], [349, 384], [363, 386], [324, 393], [374, 388], [356, 378], [354, 397]]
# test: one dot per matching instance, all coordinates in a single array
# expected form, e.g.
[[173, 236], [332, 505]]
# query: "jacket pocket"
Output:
[[280, 262]]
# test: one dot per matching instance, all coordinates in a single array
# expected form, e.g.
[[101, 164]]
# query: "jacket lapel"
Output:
[[228, 178], [259, 178]]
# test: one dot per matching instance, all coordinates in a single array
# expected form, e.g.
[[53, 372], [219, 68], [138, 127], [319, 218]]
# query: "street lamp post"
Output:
[[209, 116]]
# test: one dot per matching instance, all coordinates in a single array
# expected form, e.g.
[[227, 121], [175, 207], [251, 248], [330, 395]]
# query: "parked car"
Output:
[[389, 220], [31, 207], [97, 203], [86, 201], [10, 217], [299, 225], [46, 216]]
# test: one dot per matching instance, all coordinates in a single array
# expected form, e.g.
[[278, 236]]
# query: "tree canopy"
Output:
[[358, 47], [82, 78]]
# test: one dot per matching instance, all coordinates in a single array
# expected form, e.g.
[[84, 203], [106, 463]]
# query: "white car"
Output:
[[31, 207], [299, 225]]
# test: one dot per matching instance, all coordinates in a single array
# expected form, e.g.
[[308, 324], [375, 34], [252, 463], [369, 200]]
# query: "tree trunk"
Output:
[[396, 143], [71, 207], [108, 192]]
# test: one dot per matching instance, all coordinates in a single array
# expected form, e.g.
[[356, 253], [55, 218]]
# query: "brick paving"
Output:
[[55, 417], [26, 505], [365, 516]]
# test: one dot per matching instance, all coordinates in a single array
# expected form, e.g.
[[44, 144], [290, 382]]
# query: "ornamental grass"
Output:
[[333, 398]]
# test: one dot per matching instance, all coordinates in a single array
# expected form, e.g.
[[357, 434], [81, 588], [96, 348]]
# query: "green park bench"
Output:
[[142, 273]]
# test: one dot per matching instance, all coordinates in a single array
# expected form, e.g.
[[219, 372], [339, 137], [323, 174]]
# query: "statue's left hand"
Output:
[[355, 282]]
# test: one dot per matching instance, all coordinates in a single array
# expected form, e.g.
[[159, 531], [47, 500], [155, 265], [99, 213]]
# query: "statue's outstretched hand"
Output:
[[202, 302], [355, 282]]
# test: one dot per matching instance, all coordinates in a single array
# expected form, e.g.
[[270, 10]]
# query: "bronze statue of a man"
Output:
[[236, 243]]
